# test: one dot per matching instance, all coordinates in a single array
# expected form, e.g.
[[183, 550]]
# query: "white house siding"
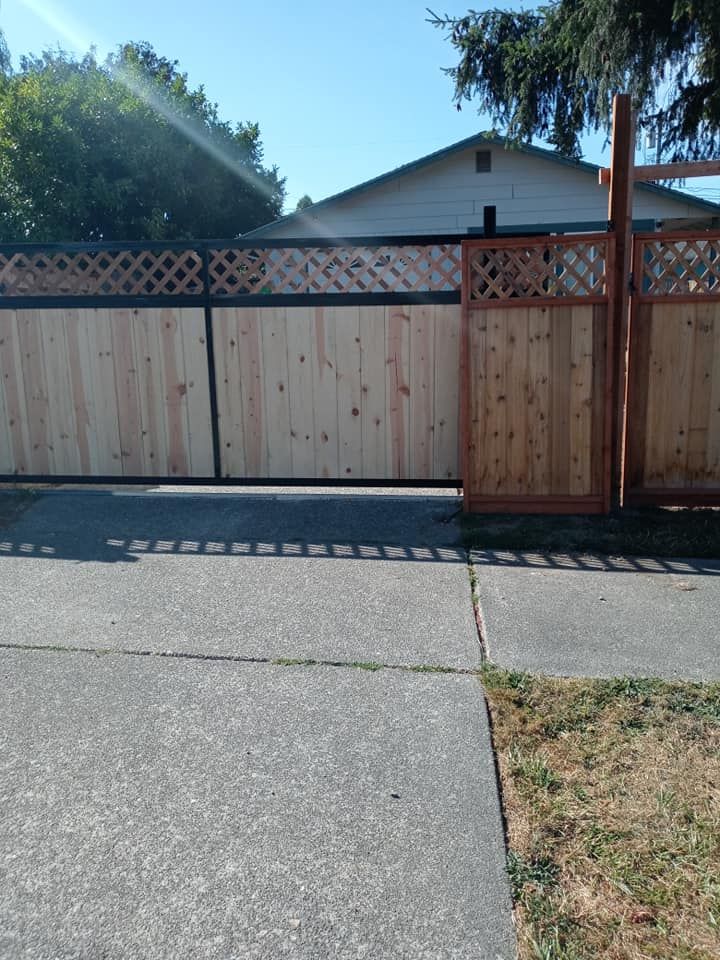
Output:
[[448, 197]]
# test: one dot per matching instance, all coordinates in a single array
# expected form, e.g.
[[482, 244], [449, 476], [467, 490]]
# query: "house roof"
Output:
[[478, 139]]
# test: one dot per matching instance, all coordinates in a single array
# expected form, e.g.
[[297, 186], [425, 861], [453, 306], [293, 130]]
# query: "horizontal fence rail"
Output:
[[523, 271]]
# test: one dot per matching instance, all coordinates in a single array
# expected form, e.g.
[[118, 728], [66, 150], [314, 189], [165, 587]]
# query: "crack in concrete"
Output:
[[370, 666]]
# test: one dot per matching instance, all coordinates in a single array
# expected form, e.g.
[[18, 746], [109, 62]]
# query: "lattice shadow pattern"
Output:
[[680, 267], [105, 272], [322, 270], [542, 270]]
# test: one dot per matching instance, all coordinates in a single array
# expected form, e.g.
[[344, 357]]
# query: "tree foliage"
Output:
[[304, 202], [124, 150], [552, 72]]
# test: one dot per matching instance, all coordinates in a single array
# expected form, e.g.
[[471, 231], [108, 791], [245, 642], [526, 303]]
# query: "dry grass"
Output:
[[611, 791], [660, 532]]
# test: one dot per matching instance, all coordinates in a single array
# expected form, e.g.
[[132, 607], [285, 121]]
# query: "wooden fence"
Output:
[[536, 381], [673, 415], [334, 362], [415, 360]]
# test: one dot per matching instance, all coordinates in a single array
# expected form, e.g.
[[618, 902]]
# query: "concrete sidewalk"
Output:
[[159, 806], [339, 578], [600, 616]]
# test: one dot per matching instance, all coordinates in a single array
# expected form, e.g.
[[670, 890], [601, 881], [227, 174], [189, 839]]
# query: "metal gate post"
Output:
[[210, 352]]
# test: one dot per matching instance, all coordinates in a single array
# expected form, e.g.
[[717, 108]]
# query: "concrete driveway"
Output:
[[174, 783]]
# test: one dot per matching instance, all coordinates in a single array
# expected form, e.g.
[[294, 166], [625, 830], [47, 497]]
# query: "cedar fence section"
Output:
[[322, 362], [673, 416], [537, 371]]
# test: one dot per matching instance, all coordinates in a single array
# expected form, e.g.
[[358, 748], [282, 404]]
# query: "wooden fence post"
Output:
[[620, 215]]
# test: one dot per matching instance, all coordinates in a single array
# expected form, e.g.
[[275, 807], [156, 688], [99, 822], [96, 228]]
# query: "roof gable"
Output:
[[475, 142]]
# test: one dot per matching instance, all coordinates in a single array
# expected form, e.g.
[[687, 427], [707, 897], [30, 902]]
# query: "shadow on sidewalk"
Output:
[[110, 527]]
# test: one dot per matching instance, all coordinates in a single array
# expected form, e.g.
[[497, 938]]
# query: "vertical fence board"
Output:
[[251, 386], [600, 438], [323, 369], [447, 397], [398, 391], [516, 402], [300, 383], [539, 385], [62, 430], [373, 405], [230, 414], [495, 406], [126, 387], [35, 382], [152, 393], [200, 445], [175, 392], [278, 438], [348, 369], [422, 318], [581, 398], [7, 457], [561, 341], [11, 370], [700, 394]]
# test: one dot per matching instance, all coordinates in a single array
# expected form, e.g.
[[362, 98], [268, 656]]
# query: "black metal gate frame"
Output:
[[208, 301]]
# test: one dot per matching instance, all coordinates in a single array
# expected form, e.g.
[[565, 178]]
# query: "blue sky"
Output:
[[343, 91]]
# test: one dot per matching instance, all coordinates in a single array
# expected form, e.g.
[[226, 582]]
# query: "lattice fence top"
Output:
[[104, 272], [531, 270], [234, 271], [678, 267], [322, 270]]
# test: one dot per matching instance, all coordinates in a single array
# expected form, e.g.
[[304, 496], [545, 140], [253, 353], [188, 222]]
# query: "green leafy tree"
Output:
[[304, 202], [552, 72], [124, 150]]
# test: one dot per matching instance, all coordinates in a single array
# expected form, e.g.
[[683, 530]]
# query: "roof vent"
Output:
[[483, 161]]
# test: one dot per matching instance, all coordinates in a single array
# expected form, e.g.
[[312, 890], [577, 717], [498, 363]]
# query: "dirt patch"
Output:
[[660, 532]]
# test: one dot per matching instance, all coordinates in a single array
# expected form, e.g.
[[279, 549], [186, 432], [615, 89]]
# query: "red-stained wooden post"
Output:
[[620, 215]]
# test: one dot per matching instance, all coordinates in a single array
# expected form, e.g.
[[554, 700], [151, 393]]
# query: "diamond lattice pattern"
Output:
[[680, 267], [573, 269], [119, 273], [317, 270]]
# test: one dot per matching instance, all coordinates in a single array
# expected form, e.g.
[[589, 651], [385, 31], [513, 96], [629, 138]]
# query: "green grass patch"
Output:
[[611, 795], [293, 662], [432, 668], [660, 532]]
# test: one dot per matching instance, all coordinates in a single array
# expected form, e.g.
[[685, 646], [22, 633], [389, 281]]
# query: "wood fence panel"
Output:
[[673, 416], [536, 374], [104, 392], [673, 445], [342, 391]]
